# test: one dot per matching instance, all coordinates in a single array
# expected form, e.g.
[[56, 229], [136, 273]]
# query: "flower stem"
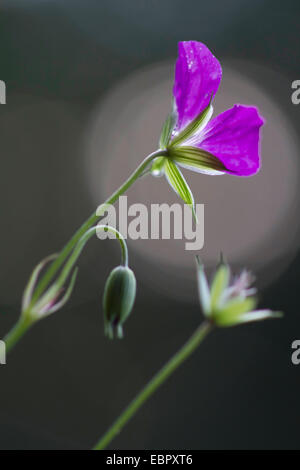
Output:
[[80, 245], [16, 333], [22, 326], [50, 273], [158, 379]]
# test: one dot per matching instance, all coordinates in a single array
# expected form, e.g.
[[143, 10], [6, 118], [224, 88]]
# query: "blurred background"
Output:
[[89, 84]]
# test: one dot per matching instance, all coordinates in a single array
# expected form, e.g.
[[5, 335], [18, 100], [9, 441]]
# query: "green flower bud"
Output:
[[118, 300]]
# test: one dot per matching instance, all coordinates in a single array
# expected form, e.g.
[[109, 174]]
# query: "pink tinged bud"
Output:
[[49, 302], [52, 301], [29, 289]]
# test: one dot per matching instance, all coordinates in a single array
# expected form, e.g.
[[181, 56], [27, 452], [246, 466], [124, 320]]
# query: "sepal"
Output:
[[196, 125], [179, 184]]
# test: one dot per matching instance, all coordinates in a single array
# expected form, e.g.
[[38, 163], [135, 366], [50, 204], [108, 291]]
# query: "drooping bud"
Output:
[[118, 299]]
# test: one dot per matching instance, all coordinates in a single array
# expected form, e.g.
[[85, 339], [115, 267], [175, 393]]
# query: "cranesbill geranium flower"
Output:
[[230, 300], [229, 143]]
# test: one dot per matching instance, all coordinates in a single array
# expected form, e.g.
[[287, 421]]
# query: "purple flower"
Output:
[[229, 143]]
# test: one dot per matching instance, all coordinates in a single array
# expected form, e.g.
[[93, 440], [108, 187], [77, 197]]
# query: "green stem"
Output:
[[80, 245], [16, 333], [54, 267], [154, 384], [50, 293], [81, 236]]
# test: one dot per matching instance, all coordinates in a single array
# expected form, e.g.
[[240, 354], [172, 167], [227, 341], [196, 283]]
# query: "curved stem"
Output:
[[91, 221], [80, 245], [154, 384], [25, 321], [76, 244], [49, 294], [119, 236]]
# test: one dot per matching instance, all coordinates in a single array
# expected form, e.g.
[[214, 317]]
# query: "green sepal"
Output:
[[41, 308], [167, 130], [203, 289], [179, 184], [28, 292], [58, 305], [195, 158], [232, 313], [200, 121], [219, 284]]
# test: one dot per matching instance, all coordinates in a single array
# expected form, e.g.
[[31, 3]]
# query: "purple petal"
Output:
[[197, 77], [233, 137]]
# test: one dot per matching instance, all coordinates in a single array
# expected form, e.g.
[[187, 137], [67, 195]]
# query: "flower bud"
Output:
[[54, 298], [118, 300]]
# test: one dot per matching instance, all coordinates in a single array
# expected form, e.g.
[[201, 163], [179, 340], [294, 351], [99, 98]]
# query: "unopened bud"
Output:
[[118, 300]]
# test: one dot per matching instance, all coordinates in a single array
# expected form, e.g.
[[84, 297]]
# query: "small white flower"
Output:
[[227, 303]]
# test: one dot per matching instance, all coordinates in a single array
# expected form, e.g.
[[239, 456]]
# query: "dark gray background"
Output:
[[65, 383]]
